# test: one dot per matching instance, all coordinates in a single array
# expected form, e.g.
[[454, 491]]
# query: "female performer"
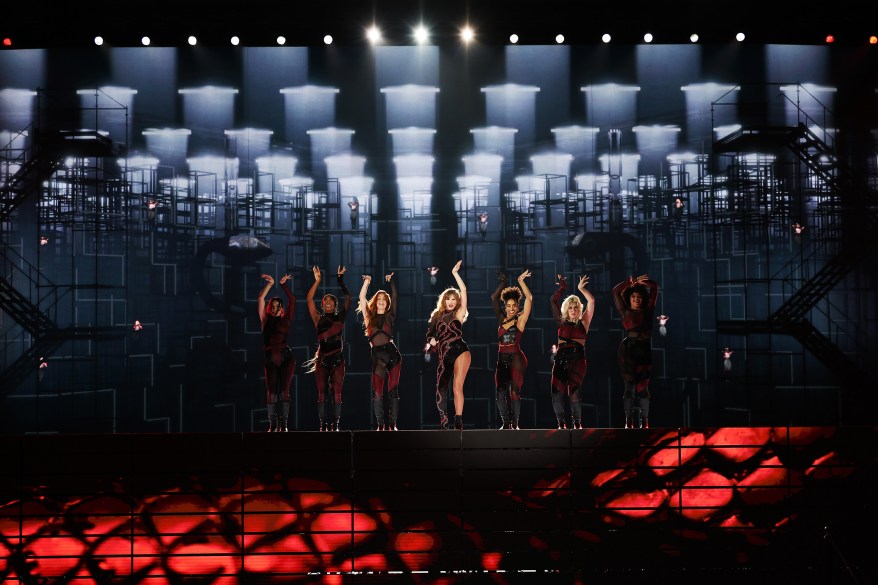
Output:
[[568, 370], [511, 361], [445, 336], [328, 363], [280, 363], [379, 317], [635, 301]]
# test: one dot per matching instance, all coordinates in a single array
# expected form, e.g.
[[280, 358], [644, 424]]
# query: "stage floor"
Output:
[[614, 504]]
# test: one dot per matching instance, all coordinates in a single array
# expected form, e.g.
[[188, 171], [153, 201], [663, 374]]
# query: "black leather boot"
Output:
[[458, 422], [272, 417], [394, 409], [378, 410], [516, 413], [337, 411], [321, 414]]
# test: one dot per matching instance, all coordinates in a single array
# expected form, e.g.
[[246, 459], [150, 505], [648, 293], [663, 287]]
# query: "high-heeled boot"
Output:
[[394, 409], [503, 409], [378, 410], [458, 422], [516, 413], [284, 418], [627, 403], [558, 407], [576, 413], [321, 414], [337, 411], [272, 416]]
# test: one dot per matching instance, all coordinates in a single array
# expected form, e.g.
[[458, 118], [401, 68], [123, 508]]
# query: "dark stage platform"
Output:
[[596, 505]]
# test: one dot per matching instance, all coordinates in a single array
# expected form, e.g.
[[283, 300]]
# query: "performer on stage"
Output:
[[328, 363], [446, 337], [568, 369], [511, 361], [635, 301], [379, 317], [280, 363]]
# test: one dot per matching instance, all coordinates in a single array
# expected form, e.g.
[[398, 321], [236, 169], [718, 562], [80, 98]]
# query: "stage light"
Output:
[[144, 41], [740, 37], [830, 39], [513, 38], [192, 40], [606, 37], [873, 40], [467, 34], [327, 40], [373, 34], [693, 37], [559, 39], [421, 35], [281, 40], [647, 38], [99, 40], [7, 42], [235, 41]]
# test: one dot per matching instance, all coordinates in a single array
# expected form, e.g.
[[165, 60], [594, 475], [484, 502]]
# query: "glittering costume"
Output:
[[569, 367], [447, 331], [386, 363], [511, 364], [280, 363], [329, 363], [635, 351]]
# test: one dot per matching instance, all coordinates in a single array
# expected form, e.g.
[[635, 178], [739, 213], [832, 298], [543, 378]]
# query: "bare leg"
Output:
[[461, 367]]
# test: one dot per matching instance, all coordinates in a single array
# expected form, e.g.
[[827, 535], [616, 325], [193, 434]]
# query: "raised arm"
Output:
[[461, 310], [588, 310], [528, 300], [555, 300], [260, 304], [393, 293], [312, 308], [653, 289], [290, 313], [495, 296], [618, 299], [364, 302], [344, 290]]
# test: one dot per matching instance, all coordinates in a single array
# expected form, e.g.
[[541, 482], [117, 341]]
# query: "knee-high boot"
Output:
[[321, 414], [576, 413], [272, 422], [644, 413], [378, 409], [516, 413], [284, 418], [503, 408], [558, 407], [337, 412], [626, 407], [394, 409]]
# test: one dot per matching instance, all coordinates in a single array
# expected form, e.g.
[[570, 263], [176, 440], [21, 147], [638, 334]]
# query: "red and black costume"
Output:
[[280, 363], [569, 367], [447, 331], [511, 363], [386, 362], [635, 351], [329, 363]]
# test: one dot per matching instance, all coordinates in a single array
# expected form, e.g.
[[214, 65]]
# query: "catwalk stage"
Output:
[[786, 504]]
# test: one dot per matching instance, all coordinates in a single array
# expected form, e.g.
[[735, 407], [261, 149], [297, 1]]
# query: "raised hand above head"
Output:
[[316, 271], [268, 278], [367, 278], [583, 281], [285, 278], [525, 274], [389, 276], [501, 276], [561, 280], [341, 271], [456, 268]]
